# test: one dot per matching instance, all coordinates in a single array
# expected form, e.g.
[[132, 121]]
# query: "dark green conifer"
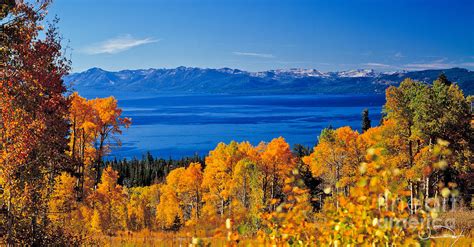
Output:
[[365, 120]]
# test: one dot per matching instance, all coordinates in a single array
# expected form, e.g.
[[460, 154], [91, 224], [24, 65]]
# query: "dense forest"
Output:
[[148, 170], [382, 186]]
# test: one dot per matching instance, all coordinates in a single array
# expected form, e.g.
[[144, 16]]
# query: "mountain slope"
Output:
[[184, 80]]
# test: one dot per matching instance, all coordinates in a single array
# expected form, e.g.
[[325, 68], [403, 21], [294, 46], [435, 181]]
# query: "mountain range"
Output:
[[97, 82]]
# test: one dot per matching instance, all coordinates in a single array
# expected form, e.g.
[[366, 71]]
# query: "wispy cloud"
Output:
[[398, 55], [433, 65], [117, 45], [438, 58], [253, 54], [440, 63], [380, 65]]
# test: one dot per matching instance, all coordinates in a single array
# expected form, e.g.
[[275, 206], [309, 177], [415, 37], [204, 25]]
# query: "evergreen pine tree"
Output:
[[176, 224], [365, 120], [444, 80]]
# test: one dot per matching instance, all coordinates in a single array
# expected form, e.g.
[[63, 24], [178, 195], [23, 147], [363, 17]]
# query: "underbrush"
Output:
[[459, 231]]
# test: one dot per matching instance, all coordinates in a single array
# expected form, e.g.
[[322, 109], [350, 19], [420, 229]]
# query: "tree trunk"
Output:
[[99, 159], [411, 198], [73, 151], [222, 207], [427, 185], [444, 204], [453, 206], [10, 221]]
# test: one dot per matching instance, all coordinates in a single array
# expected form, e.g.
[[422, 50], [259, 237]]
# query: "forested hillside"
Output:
[[182, 80]]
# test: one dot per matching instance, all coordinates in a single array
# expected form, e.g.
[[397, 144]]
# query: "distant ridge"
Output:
[[186, 80]]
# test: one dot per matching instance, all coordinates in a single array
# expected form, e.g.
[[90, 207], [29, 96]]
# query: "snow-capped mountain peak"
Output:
[[227, 80], [293, 72], [357, 73]]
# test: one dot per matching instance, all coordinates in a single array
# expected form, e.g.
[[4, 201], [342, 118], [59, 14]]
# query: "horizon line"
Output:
[[280, 69]]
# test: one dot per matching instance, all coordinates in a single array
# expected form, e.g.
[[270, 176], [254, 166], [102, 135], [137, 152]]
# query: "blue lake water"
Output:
[[176, 126]]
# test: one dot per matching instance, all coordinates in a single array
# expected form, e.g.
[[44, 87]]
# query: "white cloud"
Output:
[[381, 65], [468, 64], [398, 55], [441, 63], [423, 66], [253, 54], [117, 45]]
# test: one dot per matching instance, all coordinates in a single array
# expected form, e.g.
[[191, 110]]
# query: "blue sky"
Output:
[[258, 35]]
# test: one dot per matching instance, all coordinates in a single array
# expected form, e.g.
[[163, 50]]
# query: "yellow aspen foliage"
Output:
[[168, 210], [83, 129], [181, 198], [93, 122], [374, 213], [95, 222], [335, 158], [292, 223], [247, 190], [218, 173], [136, 209], [63, 200], [192, 191], [141, 207], [276, 165], [109, 200]]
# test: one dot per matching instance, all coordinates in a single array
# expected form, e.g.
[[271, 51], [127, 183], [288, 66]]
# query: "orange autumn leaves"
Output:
[[239, 181], [369, 178], [33, 123], [108, 204], [240, 178], [93, 123], [336, 157], [80, 202], [371, 209], [373, 212], [180, 197]]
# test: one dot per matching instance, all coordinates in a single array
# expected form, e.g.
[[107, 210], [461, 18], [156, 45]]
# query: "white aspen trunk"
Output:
[[427, 192], [416, 195], [454, 204], [444, 204], [222, 207], [411, 198]]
